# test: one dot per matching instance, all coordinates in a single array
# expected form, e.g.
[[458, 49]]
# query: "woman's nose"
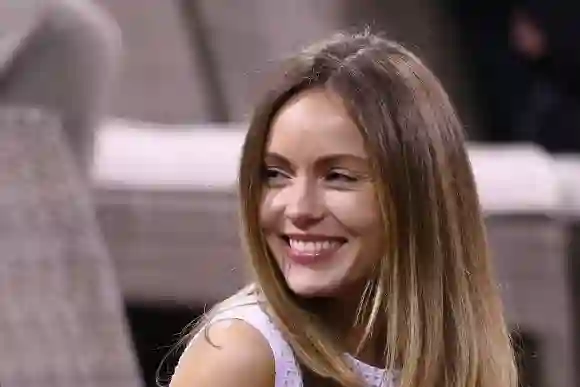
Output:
[[304, 205]]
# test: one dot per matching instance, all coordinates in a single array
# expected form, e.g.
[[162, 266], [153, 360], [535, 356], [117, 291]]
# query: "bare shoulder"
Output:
[[232, 353]]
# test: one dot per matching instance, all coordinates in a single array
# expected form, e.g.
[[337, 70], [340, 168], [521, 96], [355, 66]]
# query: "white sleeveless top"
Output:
[[247, 308]]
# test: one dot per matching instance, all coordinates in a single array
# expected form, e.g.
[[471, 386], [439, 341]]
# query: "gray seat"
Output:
[[521, 196], [531, 258], [61, 322], [61, 55]]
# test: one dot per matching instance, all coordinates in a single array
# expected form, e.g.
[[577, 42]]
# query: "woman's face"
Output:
[[319, 212]]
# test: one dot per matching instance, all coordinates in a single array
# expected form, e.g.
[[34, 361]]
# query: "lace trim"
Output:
[[373, 376]]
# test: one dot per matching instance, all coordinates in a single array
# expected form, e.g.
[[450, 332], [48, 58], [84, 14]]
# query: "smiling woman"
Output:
[[320, 216], [362, 224]]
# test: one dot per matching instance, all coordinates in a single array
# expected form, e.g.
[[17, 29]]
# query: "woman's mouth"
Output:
[[307, 250]]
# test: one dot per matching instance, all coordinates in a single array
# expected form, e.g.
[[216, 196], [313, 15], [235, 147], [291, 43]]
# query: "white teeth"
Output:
[[312, 247]]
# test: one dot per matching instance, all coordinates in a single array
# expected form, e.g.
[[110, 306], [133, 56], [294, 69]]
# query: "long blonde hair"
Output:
[[433, 296]]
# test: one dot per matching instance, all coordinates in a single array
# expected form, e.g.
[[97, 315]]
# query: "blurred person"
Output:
[[362, 224], [545, 34], [60, 55], [524, 56], [499, 78]]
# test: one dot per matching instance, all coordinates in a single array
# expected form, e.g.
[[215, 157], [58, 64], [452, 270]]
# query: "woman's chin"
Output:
[[312, 290]]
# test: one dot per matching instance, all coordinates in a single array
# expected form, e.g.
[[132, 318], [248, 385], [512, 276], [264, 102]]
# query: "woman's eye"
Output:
[[272, 174], [341, 177]]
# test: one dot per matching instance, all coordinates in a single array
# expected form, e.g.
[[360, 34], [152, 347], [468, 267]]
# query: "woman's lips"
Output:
[[308, 250]]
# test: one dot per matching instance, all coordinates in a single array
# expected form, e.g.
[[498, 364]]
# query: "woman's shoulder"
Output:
[[223, 357], [243, 323]]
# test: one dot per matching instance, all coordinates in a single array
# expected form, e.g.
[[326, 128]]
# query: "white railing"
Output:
[[517, 178]]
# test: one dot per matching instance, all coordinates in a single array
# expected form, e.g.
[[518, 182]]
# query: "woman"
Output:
[[363, 226]]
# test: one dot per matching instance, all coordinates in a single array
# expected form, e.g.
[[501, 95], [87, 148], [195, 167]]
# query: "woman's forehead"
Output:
[[315, 122]]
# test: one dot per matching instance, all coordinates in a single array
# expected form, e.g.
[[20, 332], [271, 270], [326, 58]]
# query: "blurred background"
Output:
[[121, 123]]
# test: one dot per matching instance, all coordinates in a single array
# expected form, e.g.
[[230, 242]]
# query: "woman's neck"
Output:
[[339, 314]]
